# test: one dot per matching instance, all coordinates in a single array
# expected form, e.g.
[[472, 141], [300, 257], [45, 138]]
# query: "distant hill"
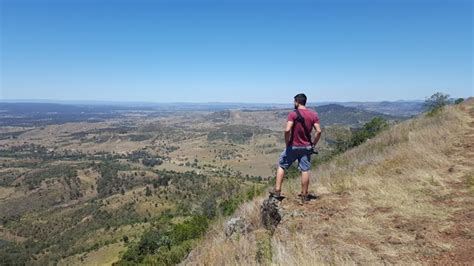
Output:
[[403, 197], [40, 114], [330, 114], [397, 108], [335, 114]]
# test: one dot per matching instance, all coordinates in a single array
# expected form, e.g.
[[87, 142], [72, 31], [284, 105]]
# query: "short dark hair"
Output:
[[301, 98]]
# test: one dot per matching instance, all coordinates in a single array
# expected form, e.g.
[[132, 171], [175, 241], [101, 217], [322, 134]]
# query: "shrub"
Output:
[[150, 162], [189, 229], [369, 130], [228, 207], [459, 100], [166, 247], [436, 102]]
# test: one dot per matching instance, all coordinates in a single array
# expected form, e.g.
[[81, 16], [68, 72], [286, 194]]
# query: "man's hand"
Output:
[[289, 126]]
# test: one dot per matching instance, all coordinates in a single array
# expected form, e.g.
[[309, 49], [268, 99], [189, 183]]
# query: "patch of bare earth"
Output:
[[461, 233]]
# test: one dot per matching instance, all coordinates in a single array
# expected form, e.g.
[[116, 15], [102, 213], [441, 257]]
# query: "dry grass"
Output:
[[402, 197], [106, 255]]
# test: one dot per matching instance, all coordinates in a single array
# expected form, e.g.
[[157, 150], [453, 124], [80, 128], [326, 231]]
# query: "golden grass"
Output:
[[389, 200]]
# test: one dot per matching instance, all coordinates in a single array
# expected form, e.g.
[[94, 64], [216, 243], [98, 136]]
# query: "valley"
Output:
[[90, 183]]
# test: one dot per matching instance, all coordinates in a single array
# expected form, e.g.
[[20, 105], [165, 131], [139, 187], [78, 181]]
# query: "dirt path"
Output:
[[461, 234]]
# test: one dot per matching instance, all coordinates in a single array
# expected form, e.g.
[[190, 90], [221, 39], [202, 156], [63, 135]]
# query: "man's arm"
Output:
[[317, 127], [289, 125]]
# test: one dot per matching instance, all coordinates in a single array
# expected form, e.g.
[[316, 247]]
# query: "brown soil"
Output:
[[461, 234]]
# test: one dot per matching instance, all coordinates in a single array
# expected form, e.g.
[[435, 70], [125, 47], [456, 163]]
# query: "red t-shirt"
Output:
[[299, 136]]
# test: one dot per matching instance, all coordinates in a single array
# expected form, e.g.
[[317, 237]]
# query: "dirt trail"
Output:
[[461, 234]]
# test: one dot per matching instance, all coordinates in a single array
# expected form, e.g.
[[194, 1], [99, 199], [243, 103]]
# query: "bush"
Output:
[[229, 206], [436, 102], [166, 247], [369, 130], [150, 162], [189, 229], [341, 144], [459, 100]]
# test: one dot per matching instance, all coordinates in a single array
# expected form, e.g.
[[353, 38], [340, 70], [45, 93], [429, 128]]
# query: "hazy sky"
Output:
[[235, 51]]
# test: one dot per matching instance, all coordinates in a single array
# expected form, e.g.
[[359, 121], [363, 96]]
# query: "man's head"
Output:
[[300, 99]]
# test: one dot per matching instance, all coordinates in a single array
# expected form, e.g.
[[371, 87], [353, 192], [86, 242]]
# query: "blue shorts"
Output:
[[291, 154]]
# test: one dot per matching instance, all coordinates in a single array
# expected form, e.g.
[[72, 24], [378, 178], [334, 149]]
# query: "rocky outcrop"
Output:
[[236, 226], [270, 214]]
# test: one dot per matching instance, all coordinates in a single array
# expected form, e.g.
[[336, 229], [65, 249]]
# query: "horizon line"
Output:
[[209, 102]]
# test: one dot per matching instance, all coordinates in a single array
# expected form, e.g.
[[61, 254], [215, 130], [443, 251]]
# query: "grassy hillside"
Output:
[[405, 196]]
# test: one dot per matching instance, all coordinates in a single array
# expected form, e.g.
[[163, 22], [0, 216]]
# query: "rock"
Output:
[[271, 214], [297, 213], [394, 240], [235, 225]]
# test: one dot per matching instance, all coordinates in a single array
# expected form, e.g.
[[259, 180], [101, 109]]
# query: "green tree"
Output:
[[436, 102], [459, 100]]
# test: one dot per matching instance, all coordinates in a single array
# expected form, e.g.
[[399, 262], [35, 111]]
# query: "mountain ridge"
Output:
[[405, 196]]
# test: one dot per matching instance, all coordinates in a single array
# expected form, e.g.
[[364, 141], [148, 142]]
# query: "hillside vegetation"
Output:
[[128, 185], [405, 196]]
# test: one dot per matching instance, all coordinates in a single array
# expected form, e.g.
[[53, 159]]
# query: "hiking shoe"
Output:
[[303, 199], [310, 196], [276, 195]]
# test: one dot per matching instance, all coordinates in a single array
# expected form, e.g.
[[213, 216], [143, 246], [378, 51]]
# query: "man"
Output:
[[299, 145]]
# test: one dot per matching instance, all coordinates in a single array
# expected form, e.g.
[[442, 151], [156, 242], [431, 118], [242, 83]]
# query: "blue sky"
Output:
[[235, 51]]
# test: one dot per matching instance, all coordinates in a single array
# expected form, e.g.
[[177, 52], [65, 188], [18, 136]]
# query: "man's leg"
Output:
[[304, 183], [304, 166], [287, 158], [279, 179]]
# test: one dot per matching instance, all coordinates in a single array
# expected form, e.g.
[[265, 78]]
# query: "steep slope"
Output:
[[406, 196]]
